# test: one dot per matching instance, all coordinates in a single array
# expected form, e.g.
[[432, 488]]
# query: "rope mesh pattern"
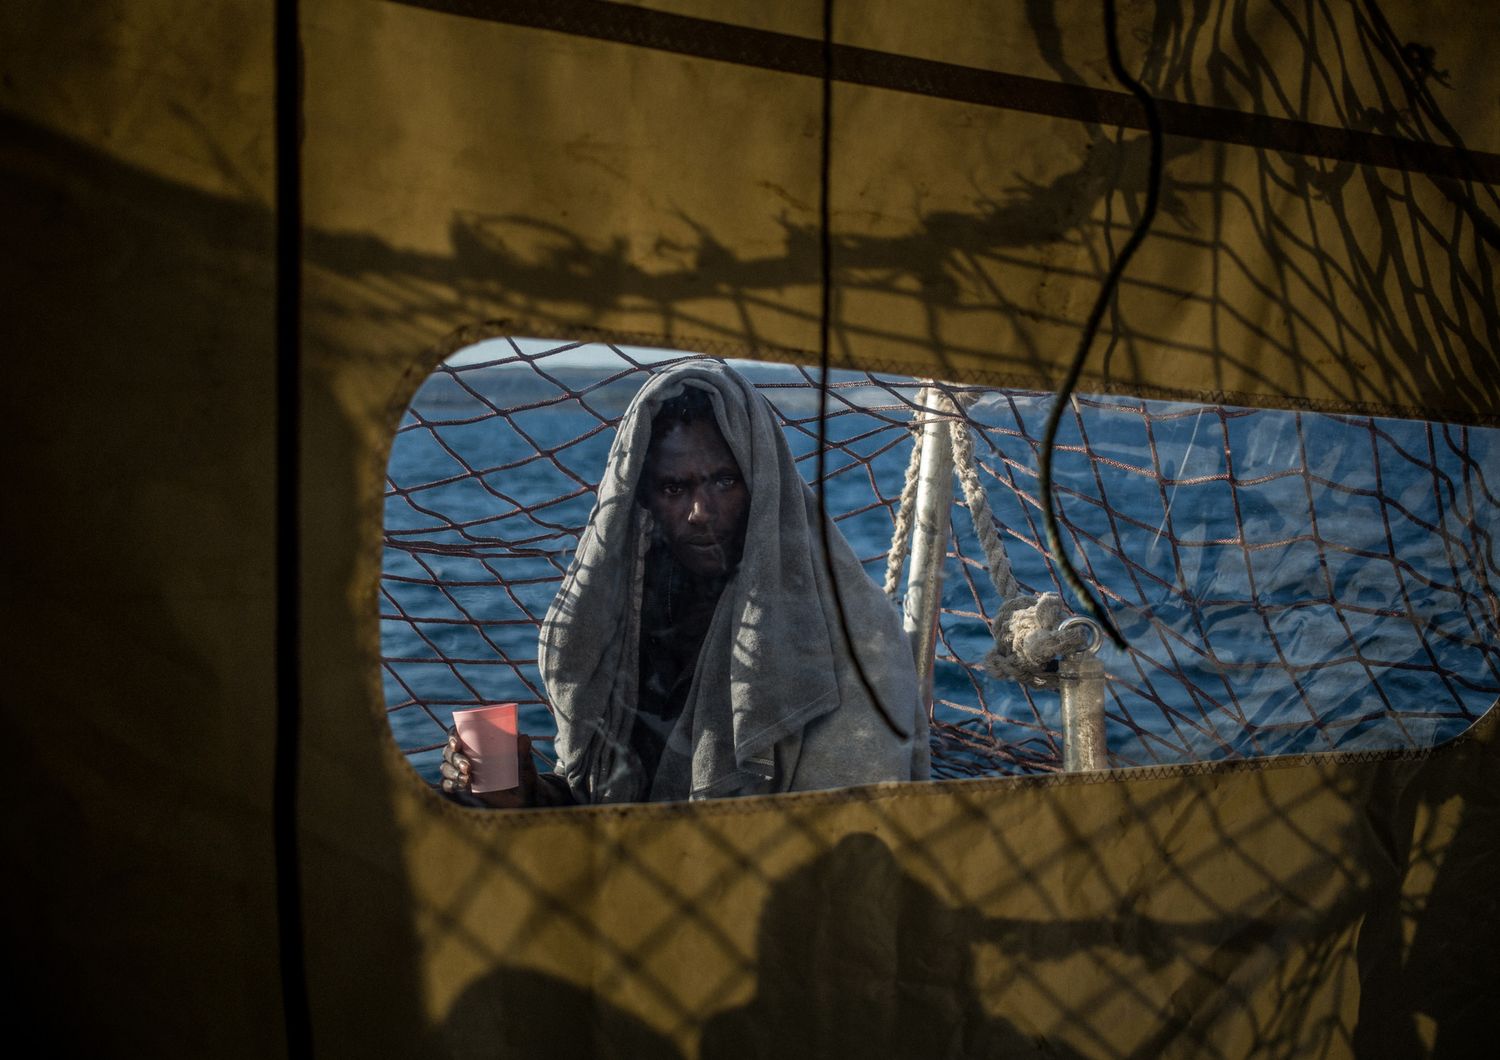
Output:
[[1288, 582]]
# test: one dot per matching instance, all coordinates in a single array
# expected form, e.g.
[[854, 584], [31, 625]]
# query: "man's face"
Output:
[[699, 499]]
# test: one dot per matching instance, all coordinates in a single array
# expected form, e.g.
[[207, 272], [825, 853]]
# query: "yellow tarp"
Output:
[[467, 176]]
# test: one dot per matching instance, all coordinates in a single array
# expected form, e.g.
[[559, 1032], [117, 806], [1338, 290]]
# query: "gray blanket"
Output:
[[776, 703]]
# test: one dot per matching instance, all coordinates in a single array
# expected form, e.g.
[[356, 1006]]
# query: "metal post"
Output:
[[934, 504], [1081, 682]]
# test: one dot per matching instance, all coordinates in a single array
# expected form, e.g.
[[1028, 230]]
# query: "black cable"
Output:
[[1091, 328], [296, 1012], [825, 315]]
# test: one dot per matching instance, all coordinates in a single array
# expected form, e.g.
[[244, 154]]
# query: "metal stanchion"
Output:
[[934, 503]]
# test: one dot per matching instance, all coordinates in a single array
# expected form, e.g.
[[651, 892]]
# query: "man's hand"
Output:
[[458, 768]]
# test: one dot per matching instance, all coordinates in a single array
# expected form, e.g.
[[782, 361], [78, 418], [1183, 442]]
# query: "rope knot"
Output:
[[1029, 640]]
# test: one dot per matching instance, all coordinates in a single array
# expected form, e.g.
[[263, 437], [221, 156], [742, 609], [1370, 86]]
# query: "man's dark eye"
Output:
[[671, 489], [727, 481]]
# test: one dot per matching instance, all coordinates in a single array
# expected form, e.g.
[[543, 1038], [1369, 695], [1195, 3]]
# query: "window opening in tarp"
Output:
[[1287, 582]]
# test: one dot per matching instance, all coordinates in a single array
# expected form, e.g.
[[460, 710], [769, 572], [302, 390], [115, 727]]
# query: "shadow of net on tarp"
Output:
[[1221, 912], [856, 957], [1369, 283], [1374, 283]]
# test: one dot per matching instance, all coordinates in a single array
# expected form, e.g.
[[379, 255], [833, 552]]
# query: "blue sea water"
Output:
[[1287, 582]]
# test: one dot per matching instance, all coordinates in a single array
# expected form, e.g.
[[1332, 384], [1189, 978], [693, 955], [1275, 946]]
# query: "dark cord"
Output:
[[1091, 328], [296, 1012]]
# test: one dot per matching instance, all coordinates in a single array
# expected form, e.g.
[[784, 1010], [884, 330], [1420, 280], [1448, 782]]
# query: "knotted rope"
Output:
[[1028, 640]]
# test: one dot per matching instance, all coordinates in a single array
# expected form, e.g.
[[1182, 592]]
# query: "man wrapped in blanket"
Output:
[[695, 649]]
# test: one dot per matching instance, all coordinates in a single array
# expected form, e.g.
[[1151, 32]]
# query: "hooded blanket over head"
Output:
[[777, 701]]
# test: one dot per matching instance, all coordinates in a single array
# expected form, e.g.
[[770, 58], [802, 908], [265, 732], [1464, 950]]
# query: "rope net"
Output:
[[1287, 582]]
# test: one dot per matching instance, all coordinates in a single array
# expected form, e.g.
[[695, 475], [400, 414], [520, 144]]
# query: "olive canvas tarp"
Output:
[[653, 173]]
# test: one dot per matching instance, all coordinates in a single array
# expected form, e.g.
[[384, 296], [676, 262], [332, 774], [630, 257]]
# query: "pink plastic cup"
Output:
[[488, 736]]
